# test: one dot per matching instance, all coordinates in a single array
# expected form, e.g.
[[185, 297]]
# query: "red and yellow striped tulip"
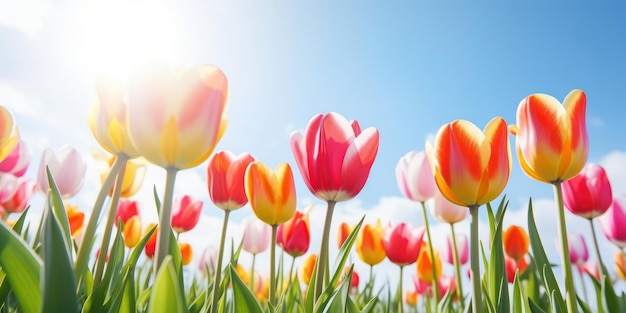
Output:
[[9, 135], [272, 194], [225, 179], [132, 231], [369, 244]]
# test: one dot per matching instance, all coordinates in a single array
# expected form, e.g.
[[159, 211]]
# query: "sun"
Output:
[[120, 35]]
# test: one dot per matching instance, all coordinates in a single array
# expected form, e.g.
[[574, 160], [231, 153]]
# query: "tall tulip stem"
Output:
[[477, 300], [570, 293], [323, 256], [165, 219], [252, 273], [399, 292], [457, 268], [108, 227], [85, 248], [434, 284], [595, 245], [273, 266], [218, 270], [584, 286]]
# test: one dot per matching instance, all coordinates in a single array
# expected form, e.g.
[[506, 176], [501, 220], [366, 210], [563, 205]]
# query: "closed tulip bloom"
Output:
[[107, 117], [306, 271], [620, 265], [76, 219], [410, 298], [185, 213], [511, 266], [186, 252], [225, 179], [150, 247], [16, 162], [516, 242], [425, 268], [132, 231], [208, 260], [578, 253], [471, 167], [296, 234], [343, 231], [125, 210], [134, 173], [369, 244], [15, 192], [256, 235], [463, 246], [68, 170], [9, 135], [334, 156], [592, 269], [613, 220], [589, 193], [272, 194], [445, 211], [551, 139], [415, 176], [175, 118], [402, 243]]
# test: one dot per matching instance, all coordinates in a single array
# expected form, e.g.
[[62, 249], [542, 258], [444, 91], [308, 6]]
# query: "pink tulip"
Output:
[[256, 235], [578, 253], [185, 213], [613, 220], [415, 177], [17, 161], [446, 284], [15, 192], [446, 211], [402, 243], [592, 269], [334, 156], [208, 261], [588, 194], [126, 209], [463, 249], [225, 179], [68, 170]]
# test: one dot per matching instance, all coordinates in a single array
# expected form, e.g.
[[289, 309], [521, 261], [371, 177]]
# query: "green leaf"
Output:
[[534, 307], [497, 284], [19, 224], [585, 308], [243, 299], [610, 298], [166, 296], [59, 285], [520, 300], [59, 212], [337, 300]]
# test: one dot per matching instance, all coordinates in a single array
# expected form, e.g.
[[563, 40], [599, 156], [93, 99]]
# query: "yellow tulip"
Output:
[[9, 135], [369, 244], [133, 174], [132, 231], [271, 194]]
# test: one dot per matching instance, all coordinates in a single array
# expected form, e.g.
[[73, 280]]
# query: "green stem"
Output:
[[88, 236], [434, 283], [273, 267], [457, 268], [595, 245], [218, 269], [323, 256], [584, 286], [165, 219], [570, 293], [371, 273], [400, 302], [477, 300], [252, 274], [293, 262], [108, 227]]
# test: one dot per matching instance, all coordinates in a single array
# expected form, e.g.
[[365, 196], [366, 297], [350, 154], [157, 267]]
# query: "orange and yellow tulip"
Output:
[[369, 244], [620, 265], [516, 242], [342, 233], [76, 219], [134, 173], [186, 252], [9, 135], [150, 247], [306, 271], [425, 268], [132, 231], [551, 139], [471, 166], [271, 194]]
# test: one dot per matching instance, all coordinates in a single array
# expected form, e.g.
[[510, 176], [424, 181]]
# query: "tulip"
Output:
[[16, 162], [578, 253], [410, 298], [306, 271], [592, 269], [132, 231], [256, 235], [296, 234], [126, 209], [620, 264], [511, 265], [186, 252], [185, 213], [402, 245], [67, 168], [342, 233], [150, 247], [445, 211], [463, 249], [15, 192], [426, 271], [516, 242], [9, 135], [335, 158], [445, 284], [369, 244], [208, 261], [471, 168], [76, 219], [613, 220], [225, 176], [134, 173]]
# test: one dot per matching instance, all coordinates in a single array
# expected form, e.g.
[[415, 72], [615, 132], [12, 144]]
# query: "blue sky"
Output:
[[405, 68]]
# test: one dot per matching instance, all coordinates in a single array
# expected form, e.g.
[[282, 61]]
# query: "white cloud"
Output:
[[25, 15], [15, 100]]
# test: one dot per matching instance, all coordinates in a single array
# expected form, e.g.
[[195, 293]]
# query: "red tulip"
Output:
[[588, 194], [151, 244], [334, 156], [225, 179], [402, 243], [342, 233], [125, 210], [185, 213], [296, 234]]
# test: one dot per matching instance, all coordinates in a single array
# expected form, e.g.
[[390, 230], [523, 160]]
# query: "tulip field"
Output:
[[112, 261]]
